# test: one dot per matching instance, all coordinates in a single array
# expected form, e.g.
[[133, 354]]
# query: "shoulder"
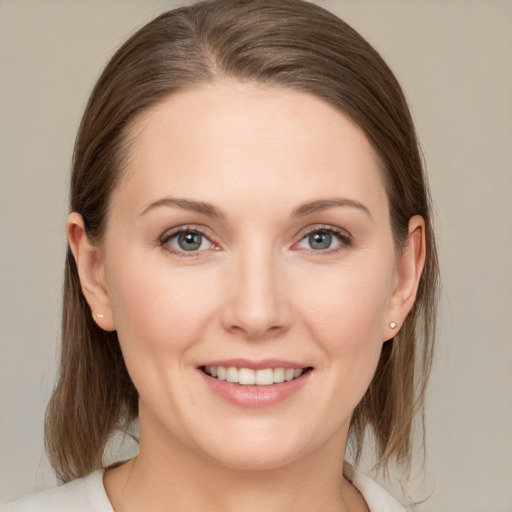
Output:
[[376, 497], [82, 495]]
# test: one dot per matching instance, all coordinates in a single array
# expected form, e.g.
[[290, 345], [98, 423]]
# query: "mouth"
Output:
[[251, 377]]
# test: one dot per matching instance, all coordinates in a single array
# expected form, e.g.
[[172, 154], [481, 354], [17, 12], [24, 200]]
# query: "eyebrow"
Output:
[[211, 211], [187, 204], [324, 204]]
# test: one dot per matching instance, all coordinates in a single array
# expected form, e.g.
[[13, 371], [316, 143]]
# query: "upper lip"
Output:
[[253, 364]]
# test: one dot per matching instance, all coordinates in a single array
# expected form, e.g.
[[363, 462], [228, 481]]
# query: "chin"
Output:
[[257, 449], [255, 460]]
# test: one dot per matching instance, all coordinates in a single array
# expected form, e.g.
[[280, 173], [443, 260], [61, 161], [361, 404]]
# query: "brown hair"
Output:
[[286, 43]]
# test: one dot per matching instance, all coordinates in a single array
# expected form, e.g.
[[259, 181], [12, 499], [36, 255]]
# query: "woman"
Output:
[[251, 270]]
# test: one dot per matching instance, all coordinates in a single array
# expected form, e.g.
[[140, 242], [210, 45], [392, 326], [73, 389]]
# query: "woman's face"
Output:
[[250, 239]]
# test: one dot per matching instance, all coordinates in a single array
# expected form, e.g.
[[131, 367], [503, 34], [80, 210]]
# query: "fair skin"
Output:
[[285, 259]]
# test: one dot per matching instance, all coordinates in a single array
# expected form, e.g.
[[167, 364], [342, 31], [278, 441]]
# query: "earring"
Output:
[[392, 325], [100, 315]]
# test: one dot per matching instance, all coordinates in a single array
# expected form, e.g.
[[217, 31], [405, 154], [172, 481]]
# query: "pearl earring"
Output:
[[392, 325], [100, 315]]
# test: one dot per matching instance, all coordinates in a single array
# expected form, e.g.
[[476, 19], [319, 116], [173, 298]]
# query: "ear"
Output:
[[91, 271], [409, 268]]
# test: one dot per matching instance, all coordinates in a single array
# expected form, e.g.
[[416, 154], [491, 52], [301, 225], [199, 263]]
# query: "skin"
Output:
[[255, 289]]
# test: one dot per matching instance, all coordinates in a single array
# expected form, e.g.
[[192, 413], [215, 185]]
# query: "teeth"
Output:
[[289, 373], [246, 376], [265, 377], [249, 377], [232, 374], [279, 375]]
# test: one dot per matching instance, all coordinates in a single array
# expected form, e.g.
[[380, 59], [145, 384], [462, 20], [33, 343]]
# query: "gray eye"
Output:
[[188, 241], [320, 240]]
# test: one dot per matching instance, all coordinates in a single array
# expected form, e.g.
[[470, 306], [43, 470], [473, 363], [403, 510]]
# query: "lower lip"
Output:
[[255, 396]]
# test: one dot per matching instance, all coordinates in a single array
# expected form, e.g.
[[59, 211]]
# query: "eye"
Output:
[[324, 239], [186, 240], [320, 240]]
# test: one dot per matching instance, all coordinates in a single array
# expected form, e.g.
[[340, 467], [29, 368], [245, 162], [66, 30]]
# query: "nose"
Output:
[[257, 306]]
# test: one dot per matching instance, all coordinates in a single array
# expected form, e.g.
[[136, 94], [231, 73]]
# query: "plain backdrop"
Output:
[[454, 60]]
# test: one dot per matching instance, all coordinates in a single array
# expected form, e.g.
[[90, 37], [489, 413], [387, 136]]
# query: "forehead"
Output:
[[229, 140]]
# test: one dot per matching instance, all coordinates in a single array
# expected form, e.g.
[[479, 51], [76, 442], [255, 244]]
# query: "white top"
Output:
[[88, 495]]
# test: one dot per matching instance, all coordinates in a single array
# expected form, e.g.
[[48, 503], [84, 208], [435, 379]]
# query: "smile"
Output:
[[250, 377], [255, 384]]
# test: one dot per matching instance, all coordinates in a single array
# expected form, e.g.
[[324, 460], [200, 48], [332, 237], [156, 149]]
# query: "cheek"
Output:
[[158, 307], [346, 305], [161, 315], [346, 316]]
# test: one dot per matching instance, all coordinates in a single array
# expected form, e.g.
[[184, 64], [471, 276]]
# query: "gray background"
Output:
[[454, 59]]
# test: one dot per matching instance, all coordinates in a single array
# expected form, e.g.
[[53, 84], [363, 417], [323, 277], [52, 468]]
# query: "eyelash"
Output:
[[343, 237], [169, 235]]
